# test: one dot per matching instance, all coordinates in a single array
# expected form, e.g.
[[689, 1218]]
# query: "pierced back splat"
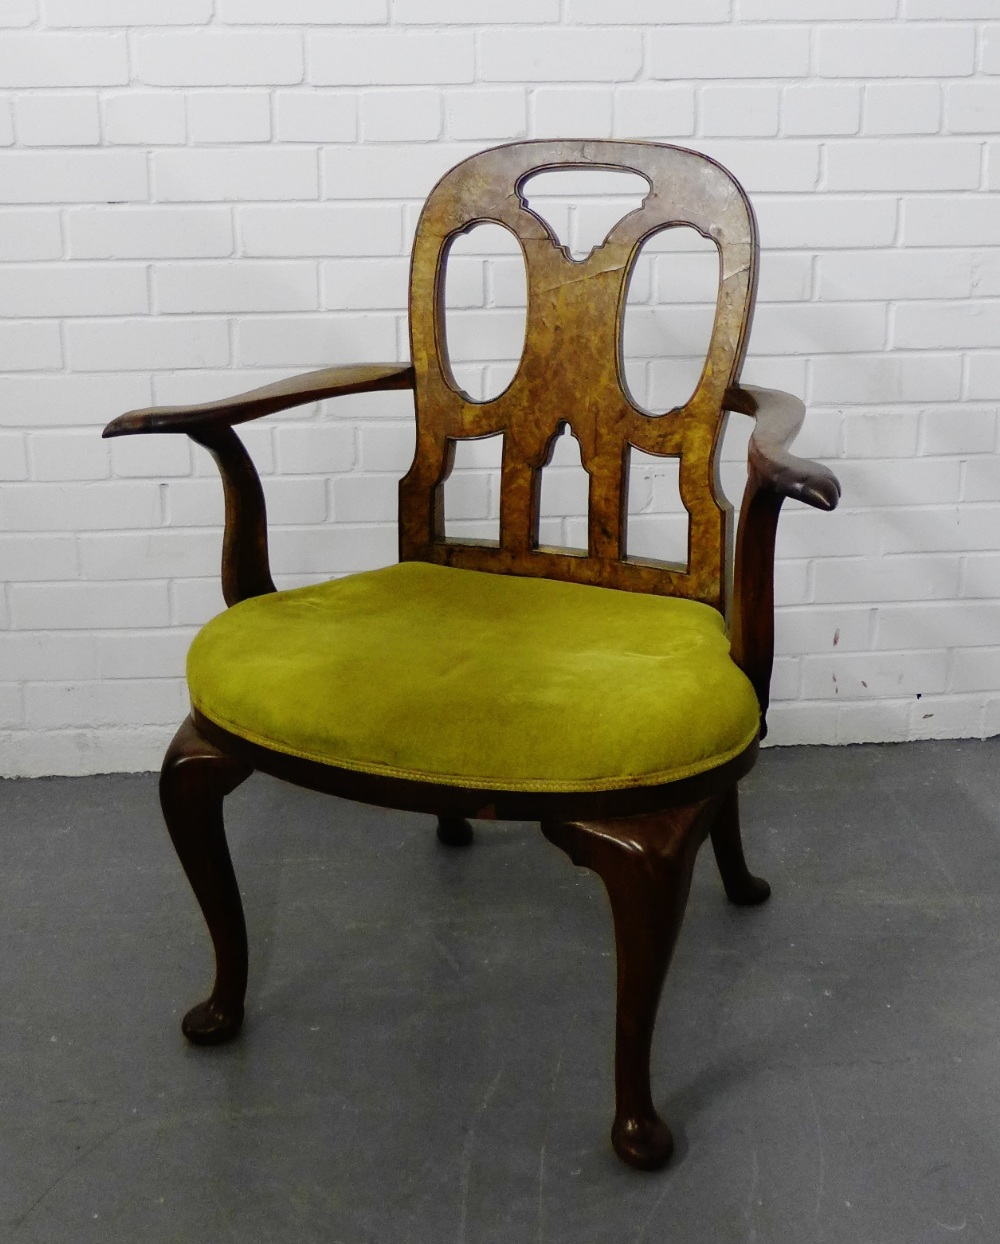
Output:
[[571, 370]]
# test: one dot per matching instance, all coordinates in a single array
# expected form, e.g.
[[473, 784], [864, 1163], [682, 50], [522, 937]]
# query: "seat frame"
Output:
[[642, 841]]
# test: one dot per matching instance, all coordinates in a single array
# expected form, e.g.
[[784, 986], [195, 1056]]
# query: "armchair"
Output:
[[592, 691]]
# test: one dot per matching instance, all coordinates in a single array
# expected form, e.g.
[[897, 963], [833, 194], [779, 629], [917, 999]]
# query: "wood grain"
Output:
[[313, 386], [571, 372]]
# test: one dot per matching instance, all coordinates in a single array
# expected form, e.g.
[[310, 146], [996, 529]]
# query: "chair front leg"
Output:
[[194, 780], [741, 886], [645, 863]]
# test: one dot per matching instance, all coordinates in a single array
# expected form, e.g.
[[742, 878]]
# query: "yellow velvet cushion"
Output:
[[482, 680]]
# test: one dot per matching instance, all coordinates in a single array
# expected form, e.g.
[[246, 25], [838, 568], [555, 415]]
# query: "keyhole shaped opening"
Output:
[[472, 491], [582, 205], [657, 524], [564, 497]]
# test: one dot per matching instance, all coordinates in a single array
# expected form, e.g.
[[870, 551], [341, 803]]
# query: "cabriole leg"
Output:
[[645, 863], [194, 780], [741, 886]]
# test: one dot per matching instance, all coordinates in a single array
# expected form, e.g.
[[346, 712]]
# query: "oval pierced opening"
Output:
[[485, 311], [669, 313], [582, 205]]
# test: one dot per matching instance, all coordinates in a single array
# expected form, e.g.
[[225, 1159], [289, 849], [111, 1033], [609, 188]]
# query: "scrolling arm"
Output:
[[773, 473], [245, 564]]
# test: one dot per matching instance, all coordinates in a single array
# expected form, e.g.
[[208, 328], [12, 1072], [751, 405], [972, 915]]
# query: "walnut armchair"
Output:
[[592, 691]]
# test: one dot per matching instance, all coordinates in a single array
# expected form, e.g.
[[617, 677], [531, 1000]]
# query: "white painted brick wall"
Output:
[[203, 195], [69, 120], [144, 118]]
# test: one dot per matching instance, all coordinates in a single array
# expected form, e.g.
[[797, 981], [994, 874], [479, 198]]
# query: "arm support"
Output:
[[772, 475], [245, 566]]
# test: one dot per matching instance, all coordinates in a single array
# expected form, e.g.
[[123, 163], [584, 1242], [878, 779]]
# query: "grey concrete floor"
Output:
[[427, 1055]]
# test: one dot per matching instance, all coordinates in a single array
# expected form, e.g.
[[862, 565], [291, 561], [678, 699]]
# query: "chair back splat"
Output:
[[571, 371]]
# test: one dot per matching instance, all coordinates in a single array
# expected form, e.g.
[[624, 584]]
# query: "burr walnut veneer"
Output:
[[604, 695]]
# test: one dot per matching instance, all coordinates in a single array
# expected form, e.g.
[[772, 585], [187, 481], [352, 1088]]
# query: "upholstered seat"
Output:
[[522, 684]]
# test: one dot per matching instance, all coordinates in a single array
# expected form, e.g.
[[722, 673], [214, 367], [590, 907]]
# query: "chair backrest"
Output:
[[571, 371]]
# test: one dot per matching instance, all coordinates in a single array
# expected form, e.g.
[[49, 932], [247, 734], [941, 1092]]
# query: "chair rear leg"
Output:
[[454, 831], [194, 780], [741, 886], [646, 864]]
